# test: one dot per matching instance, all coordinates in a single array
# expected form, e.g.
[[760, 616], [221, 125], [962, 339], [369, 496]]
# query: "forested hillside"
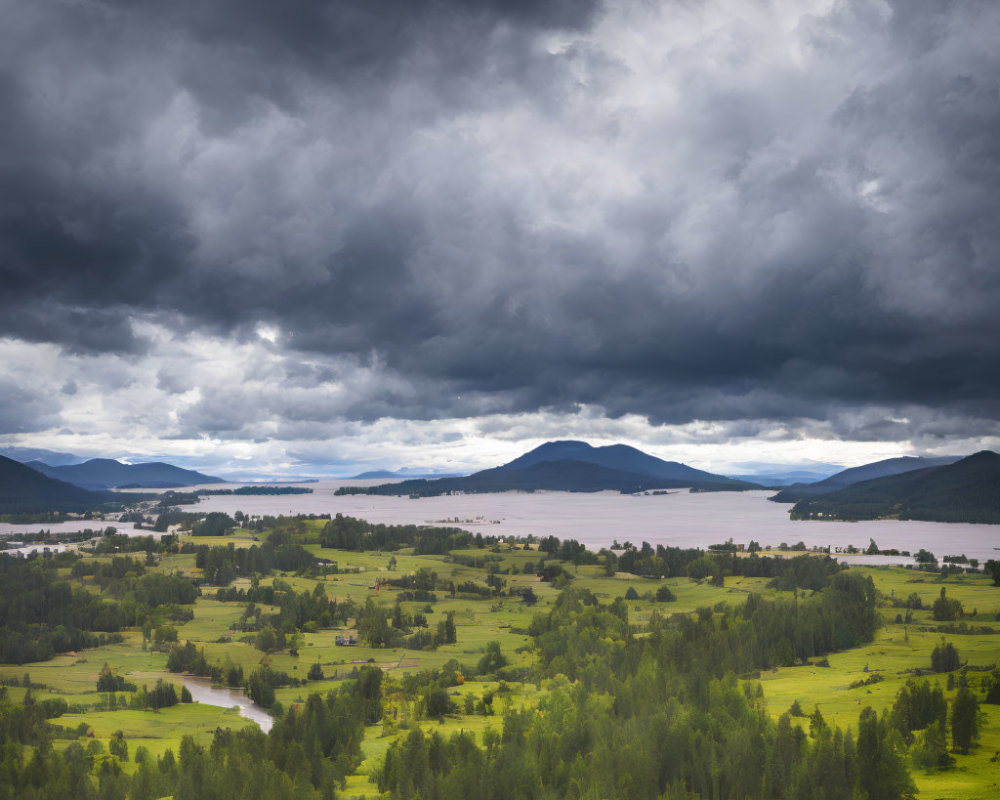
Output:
[[25, 491], [965, 491], [866, 472]]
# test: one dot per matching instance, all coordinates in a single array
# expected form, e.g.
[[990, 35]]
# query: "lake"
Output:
[[679, 519]]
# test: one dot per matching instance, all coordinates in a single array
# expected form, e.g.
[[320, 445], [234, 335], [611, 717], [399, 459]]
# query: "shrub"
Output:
[[492, 660], [664, 595], [946, 608]]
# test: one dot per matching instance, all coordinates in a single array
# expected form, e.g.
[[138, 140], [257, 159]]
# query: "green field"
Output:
[[899, 649]]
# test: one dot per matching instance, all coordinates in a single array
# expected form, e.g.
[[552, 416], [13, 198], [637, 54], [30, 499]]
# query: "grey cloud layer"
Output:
[[674, 211]]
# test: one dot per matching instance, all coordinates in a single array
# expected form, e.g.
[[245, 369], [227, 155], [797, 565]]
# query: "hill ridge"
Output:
[[25, 490], [107, 473], [547, 468], [848, 477], [967, 490]]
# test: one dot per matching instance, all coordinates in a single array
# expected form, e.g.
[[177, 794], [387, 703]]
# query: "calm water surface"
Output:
[[679, 519]]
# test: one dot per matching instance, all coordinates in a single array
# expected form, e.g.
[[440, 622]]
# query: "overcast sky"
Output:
[[312, 237]]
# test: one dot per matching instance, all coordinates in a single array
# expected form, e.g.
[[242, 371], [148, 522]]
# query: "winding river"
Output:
[[202, 691]]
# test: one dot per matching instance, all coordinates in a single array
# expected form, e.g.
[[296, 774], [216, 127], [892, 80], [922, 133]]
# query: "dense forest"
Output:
[[41, 615], [663, 714]]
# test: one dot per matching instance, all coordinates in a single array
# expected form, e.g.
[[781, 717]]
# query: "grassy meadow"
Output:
[[901, 650]]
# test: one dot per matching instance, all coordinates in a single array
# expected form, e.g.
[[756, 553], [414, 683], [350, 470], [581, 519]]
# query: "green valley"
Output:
[[431, 662]]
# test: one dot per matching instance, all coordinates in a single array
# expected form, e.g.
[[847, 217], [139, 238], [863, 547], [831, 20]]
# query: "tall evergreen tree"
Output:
[[882, 771], [964, 719]]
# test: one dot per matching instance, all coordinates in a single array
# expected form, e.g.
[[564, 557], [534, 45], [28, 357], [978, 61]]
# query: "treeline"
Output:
[[43, 517], [115, 542], [348, 533], [801, 572], [134, 698], [259, 686], [257, 490], [804, 572], [570, 550], [41, 615], [61, 537]]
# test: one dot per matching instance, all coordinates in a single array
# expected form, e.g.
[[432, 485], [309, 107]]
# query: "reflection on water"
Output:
[[202, 691]]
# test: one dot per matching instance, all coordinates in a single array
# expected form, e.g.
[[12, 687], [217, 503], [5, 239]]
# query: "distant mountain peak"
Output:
[[621, 457], [573, 466], [404, 473], [866, 472], [49, 457], [24, 489], [107, 473]]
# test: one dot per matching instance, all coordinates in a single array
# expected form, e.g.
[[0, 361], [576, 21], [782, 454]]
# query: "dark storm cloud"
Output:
[[78, 330], [479, 202], [24, 409]]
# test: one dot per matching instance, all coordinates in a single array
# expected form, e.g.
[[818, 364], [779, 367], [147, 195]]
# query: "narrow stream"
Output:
[[202, 691]]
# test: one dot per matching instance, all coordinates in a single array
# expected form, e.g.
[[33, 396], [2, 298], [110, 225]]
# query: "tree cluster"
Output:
[[41, 615], [348, 533], [222, 565]]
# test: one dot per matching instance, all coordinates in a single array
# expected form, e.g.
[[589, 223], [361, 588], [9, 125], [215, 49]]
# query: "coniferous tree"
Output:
[[944, 657], [964, 719], [369, 689], [118, 747], [882, 771]]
